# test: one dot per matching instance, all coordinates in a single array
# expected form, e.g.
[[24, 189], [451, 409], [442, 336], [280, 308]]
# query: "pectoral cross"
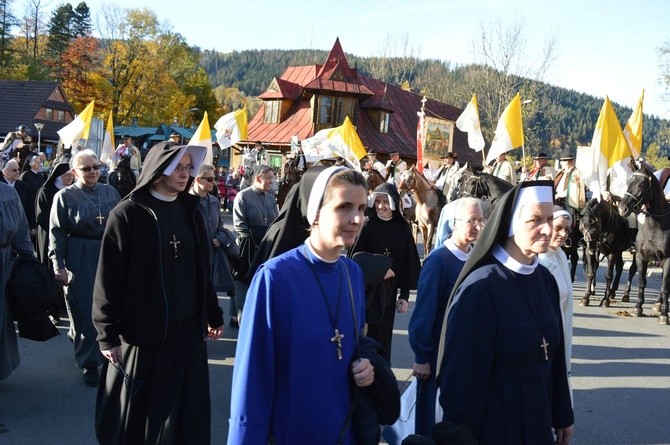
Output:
[[337, 338], [175, 244], [100, 218], [544, 345]]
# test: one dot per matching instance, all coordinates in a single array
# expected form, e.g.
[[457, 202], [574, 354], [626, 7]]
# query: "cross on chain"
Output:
[[544, 345], [100, 218], [175, 244], [337, 338]]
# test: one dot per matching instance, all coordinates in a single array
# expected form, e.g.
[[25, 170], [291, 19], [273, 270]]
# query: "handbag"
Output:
[[229, 245], [376, 404], [374, 267]]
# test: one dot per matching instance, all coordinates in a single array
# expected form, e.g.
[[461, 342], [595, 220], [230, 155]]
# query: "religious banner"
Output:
[[439, 139]]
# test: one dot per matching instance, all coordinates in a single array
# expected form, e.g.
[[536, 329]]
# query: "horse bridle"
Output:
[[479, 186], [637, 205]]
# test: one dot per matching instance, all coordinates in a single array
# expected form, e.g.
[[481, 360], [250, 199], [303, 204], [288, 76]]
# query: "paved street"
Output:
[[621, 381]]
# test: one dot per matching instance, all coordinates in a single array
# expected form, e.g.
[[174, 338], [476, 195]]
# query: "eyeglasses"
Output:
[[87, 169], [13, 169], [183, 168], [471, 221], [209, 179]]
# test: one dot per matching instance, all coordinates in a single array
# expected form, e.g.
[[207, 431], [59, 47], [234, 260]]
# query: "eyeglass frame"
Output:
[[184, 168], [479, 222], [88, 168]]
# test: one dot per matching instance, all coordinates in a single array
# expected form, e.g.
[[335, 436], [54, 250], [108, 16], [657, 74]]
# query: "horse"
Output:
[[373, 179], [605, 232], [427, 210], [457, 181], [645, 195], [123, 179]]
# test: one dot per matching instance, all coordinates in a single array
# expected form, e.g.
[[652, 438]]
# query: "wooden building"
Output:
[[306, 99]]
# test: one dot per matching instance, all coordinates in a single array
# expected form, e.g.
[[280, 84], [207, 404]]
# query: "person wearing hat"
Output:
[[502, 369], [254, 209], [504, 170], [13, 141], [394, 167], [541, 169], [374, 163], [154, 307], [448, 170], [296, 349], [126, 148], [175, 137], [569, 185]]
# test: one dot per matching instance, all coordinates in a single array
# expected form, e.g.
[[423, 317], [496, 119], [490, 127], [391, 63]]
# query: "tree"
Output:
[[397, 61], [81, 20], [59, 36], [81, 79], [7, 22]]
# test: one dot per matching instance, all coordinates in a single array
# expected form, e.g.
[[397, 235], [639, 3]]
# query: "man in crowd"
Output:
[[11, 173], [503, 169], [394, 167], [35, 180], [450, 167], [569, 185], [78, 217], [127, 149], [541, 169], [374, 163], [13, 141]]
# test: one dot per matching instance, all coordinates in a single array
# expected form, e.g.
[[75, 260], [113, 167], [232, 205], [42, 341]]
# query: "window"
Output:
[[384, 119], [49, 114], [333, 110], [272, 109], [61, 116]]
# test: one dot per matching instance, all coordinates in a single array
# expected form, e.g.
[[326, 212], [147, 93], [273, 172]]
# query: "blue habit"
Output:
[[495, 377], [288, 381], [436, 281]]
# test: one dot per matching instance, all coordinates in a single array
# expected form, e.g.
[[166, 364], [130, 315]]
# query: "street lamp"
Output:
[[39, 127]]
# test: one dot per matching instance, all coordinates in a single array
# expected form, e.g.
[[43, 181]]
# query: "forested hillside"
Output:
[[556, 119]]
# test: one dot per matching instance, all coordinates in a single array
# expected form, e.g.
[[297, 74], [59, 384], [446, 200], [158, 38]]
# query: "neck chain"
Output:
[[174, 242], [100, 218], [337, 338]]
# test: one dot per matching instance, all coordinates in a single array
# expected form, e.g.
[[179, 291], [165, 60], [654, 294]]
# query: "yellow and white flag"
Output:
[[469, 122], [342, 141], [231, 128], [509, 132], [611, 154], [78, 128], [203, 138], [108, 142], [633, 130]]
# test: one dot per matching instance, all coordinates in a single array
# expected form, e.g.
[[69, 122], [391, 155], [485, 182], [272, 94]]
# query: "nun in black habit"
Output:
[[45, 197], [387, 233], [501, 363], [153, 308]]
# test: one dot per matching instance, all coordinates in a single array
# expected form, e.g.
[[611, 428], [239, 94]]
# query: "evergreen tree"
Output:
[[81, 20], [7, 22], [60, 30]]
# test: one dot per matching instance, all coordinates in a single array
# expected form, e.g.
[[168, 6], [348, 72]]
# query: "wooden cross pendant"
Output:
[[175, 244], [337, 338], [100, 218], [544, 345]]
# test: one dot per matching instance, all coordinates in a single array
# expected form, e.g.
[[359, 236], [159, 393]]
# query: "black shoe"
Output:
[[91, 377], [234, 323]]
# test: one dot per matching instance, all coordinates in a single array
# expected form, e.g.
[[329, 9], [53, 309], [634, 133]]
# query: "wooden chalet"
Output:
[[29, 102], [306, 99]]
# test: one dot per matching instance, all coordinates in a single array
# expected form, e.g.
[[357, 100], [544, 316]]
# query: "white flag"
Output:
[[468, 122], [231, 128], [108, 143], [203, 138], [78, 128]]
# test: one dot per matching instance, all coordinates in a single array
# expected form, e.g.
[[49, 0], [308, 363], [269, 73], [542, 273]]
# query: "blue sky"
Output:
[[604, 47]]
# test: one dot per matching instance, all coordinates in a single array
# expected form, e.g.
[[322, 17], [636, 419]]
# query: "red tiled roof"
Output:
[[404, 105]]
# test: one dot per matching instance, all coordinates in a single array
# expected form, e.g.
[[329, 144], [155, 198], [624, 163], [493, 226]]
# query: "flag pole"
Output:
[[420, 138]]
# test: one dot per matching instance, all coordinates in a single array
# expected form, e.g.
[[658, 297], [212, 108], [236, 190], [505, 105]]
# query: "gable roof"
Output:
[[22, 101]]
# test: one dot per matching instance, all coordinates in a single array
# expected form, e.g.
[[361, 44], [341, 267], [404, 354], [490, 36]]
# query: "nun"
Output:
[[502, 362]]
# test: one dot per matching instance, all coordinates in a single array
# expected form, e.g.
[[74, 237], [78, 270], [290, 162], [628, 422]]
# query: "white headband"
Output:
[[528, 195], [564, 213], [373, 196], [318, 190]]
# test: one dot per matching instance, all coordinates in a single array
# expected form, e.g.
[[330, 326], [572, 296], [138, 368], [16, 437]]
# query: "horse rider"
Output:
[[127, 149], [541, 169], [394, 167], [449, 168], [13, 141], [569, 185], [503, 169]]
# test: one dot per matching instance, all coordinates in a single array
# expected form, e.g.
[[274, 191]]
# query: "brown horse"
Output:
[[427, 208], [373, 179]]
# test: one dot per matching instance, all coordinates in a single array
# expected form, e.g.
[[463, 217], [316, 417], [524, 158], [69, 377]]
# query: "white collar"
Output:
[[160, 196], [458, 253], [506, 260], [317, 256]]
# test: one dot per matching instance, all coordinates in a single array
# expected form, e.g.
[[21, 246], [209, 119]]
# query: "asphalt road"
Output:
[[621, 381]]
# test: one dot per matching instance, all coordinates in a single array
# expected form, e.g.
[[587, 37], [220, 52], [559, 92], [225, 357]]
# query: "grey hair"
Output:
[[468, 200], [204, 168], [80, 154]]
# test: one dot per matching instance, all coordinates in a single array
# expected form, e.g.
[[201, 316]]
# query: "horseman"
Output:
[[374, 163], [450, 167], [127, 149], [13, 141], [503, 169], [541, 169], [394, 167], [569, 185]]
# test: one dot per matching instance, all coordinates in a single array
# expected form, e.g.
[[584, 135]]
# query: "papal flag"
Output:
[[231, 128], [611, 154], [78, 128], [108, 142], [509, 132], [203, 138], [468, 122], [633, 130], [342, 141]]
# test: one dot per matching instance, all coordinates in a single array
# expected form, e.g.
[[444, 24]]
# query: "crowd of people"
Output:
[[491, 327]]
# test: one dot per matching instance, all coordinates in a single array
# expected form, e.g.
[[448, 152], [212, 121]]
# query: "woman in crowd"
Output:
[[502, 359], [296, 346], [557, 263], [436, 282], [386, 232]]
